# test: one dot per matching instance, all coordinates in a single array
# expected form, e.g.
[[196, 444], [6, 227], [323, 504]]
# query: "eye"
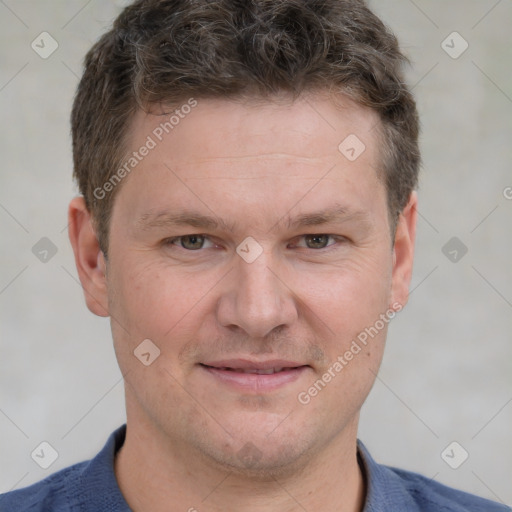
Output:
[[196, 242], [317, 241], [189, 242]]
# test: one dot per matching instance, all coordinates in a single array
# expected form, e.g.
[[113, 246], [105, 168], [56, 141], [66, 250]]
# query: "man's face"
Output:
[[244, 335]]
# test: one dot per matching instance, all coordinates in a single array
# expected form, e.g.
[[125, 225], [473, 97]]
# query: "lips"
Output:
[[257, 371], [256, 376], [247, 366], [266, 371]]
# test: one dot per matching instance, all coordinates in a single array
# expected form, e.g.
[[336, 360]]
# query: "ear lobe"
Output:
[[89, 259], [403, 251]]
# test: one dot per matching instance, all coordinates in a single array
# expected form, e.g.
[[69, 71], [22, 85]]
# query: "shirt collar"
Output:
[[384, 488], [96, 484]]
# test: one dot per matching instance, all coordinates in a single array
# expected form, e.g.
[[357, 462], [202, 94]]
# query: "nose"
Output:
[[257, 298]]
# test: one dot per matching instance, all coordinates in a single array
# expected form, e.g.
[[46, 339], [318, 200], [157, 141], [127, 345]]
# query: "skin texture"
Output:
[[194, 440]]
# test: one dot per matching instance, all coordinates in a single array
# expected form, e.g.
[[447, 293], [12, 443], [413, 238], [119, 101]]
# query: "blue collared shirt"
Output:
[[92, 487]]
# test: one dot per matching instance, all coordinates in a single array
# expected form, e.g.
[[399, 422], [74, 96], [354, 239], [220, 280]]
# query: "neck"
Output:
[[153, 475]]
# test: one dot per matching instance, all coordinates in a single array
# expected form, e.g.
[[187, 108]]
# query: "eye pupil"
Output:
[[317, 241]]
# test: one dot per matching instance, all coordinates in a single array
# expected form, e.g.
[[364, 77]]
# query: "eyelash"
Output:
[[338, 239]]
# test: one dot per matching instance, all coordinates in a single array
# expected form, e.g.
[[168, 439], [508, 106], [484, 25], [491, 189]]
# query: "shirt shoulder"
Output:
[[89, 486], [48, 494], [390, 488], [433, 496]]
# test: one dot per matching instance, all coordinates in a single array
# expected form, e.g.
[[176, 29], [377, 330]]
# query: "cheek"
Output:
[[139, 299], [351, 306], [351, 295], [159, 302]]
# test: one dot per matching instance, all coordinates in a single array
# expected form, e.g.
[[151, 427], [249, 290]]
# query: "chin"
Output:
[[263, 450], [262, 462]]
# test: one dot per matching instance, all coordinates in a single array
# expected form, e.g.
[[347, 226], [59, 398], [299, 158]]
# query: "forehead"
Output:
[[260, 155], [309, 127]]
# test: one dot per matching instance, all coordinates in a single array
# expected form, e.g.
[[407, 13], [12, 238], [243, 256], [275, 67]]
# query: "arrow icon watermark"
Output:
[[146, 352], [44, 250], [352, 147], [249, 249], [44, 455]]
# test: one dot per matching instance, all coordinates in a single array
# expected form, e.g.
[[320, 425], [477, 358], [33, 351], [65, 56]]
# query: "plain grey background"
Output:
[[446, 375]]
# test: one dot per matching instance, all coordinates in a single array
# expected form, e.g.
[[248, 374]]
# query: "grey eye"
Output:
[[316, 241], [192, 242]]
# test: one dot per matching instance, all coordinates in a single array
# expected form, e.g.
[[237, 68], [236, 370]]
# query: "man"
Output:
[[247, 221]]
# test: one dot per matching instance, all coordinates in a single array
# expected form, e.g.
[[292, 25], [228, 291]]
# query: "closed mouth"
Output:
[[254, 377], [257, 371]]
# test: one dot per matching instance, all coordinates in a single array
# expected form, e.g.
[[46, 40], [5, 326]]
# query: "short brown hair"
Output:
[[166, 51]]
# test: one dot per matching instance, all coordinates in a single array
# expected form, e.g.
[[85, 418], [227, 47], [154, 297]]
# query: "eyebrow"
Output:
[[169, 219], [336, 214], [163, 219]]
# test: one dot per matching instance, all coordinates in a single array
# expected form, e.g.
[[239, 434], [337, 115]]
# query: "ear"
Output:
[[403, 251], [89, 259]]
